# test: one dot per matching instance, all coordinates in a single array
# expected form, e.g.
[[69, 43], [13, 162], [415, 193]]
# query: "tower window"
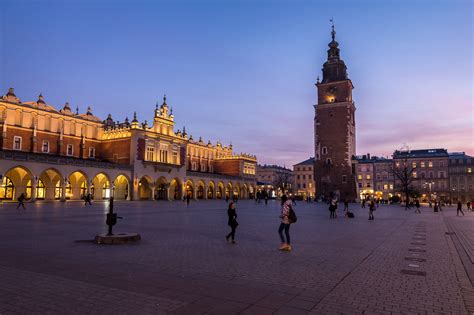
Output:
[[344, 178], [328, 161], [324, 150], [91, 152]]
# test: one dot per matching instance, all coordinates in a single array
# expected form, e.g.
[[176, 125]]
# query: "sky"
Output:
[[243, 72]]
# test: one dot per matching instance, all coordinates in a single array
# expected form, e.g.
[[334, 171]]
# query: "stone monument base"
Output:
[[120, 238]]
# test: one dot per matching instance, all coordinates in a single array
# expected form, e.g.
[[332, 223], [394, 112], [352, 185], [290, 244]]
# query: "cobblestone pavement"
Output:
[[399, 263]]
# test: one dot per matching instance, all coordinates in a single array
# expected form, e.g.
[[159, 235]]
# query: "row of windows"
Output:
[[310, 185], [460, 161], [304, 176], [18, 141], [430, 175], [461, 187], [302, 168], [161, 157], [194, 167], [385, 187]]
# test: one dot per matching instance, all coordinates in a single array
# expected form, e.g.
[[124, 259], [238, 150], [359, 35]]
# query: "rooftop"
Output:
[[309, 161]]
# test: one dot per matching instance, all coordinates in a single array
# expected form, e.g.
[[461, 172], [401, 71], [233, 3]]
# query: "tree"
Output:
[[403, 173], [282, 181]]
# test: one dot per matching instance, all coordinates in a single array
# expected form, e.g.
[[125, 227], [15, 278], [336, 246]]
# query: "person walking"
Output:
[[286, 205], [459, 209], [371, 210], [346, 207], [232, 222], [363, 203], [468, 204], [21, 201], [332, 208], [188, 199], [417, 205], [88, 199]]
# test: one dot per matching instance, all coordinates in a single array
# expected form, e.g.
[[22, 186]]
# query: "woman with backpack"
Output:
[[371, 210], [287, 217], [232, 222]]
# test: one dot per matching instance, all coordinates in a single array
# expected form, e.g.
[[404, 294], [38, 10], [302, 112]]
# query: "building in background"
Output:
[[374, 177], [303, 174], [61, 154], [430, 172], [334, 129], [274, 180], [461, 177]]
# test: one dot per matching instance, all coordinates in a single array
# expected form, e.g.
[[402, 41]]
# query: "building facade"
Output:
[[374, 177], [60, 154], [461, 177], [334, 129], [274, 180], [303, 174], [430, 172]]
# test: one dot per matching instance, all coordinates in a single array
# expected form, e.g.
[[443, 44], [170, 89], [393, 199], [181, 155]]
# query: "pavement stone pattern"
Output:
[[400, 263]]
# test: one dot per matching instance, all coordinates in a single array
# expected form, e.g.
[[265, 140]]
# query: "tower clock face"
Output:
[[332, 90]]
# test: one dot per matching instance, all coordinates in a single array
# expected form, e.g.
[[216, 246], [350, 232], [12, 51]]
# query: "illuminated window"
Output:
[[385, 187], [310, 185], [391, 186], [45, 147], [16, 143], [70, 150], [469, 170], [422, 164], [397, 164], [40, 190], [430, 164], [414, 174], [413, 164], [150, 153], [359, 177], [368, 176]]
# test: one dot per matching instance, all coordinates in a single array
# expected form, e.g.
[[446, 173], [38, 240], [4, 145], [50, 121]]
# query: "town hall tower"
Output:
[[334, 129]]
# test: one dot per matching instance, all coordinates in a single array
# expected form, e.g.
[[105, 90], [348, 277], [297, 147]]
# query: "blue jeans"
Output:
[[285, 227]]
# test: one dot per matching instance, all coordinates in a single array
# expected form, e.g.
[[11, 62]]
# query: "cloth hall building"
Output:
[[53, 154]]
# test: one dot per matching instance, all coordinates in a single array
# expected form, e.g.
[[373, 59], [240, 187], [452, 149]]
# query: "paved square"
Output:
[[399, 263]]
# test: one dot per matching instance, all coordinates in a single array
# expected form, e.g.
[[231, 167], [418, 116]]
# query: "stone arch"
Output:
[[211, 190], [189, 188], [228, 190], [145, 189], [244, 191], [121, 187], [100, 186], [236, 192], [200, 190], [175, 190], [52, 180], [17, 181], [162, 187], [77, 185], [252, 191], [220, 191]]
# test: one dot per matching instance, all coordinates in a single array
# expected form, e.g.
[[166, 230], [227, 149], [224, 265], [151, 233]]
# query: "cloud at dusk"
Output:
[[244, 72]]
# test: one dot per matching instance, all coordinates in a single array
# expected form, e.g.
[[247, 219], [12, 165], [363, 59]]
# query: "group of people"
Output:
[[287, 217]]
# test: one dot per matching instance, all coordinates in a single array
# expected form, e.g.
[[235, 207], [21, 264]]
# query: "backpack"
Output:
[[292, 216]]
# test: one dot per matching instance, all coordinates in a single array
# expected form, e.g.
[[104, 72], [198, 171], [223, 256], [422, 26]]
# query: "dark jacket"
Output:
[[232, 217]]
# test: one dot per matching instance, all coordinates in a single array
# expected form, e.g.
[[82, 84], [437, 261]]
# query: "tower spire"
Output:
[[333, 32]]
